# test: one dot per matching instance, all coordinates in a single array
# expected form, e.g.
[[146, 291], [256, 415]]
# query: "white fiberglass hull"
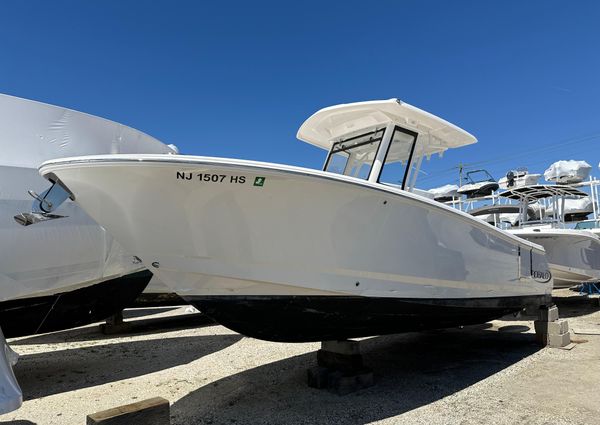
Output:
[[520, 181], [243, 239], [573, 255]]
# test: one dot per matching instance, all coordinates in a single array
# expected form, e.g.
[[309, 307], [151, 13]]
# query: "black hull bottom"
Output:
[[71, 309], [322, 318], [482, 191]]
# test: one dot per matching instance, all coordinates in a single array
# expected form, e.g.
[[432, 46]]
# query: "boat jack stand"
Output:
[[340, 368]]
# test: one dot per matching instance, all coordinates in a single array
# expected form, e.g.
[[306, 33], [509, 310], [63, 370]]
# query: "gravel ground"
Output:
[[492, 373]]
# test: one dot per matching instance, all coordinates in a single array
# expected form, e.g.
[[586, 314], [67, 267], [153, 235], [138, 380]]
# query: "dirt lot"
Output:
[[492, 373]]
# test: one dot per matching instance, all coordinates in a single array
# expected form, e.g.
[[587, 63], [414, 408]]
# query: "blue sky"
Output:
[[236, 79]]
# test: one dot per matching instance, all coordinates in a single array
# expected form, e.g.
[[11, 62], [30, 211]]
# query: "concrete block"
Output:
[[346, 347], [343, 384], [318, 377], [561, 340], [549, 314], [153, 411], [365, 378], [341, 362], [557, 327]]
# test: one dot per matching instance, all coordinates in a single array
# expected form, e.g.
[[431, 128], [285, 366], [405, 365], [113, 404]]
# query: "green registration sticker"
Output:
[[259, 181]]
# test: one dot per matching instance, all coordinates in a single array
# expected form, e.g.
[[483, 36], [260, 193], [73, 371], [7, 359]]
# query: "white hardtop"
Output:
[[337, 122]]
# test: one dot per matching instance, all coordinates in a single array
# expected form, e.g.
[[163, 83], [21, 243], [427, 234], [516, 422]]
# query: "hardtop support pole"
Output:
[[381, 153]]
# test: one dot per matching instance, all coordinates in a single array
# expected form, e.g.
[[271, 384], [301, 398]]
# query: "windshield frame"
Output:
[[415, 136], [377, 136]]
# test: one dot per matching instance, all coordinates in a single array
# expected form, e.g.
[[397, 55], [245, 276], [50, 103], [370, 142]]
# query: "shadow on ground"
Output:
[[147, 311], [93, 333], [18, 422], [411, 370], [55, 372], [575, 306]]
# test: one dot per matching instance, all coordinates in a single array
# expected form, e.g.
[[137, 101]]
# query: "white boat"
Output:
[[518, 178], [499, 215], [479, 184], [573, 255], [286, 253], [446, 193], [568, 172], [69, 271], [572, 209]]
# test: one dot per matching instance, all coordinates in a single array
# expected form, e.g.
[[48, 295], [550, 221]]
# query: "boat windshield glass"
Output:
[[400, 153], [479, 176], [354, 156], [582, 225]]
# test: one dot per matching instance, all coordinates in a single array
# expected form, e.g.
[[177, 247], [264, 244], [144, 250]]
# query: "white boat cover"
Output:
[[424, 193], [67, 253], [511, 218], [446, 191], [573, 206], [567, 172], [11, 396], [34, 132]]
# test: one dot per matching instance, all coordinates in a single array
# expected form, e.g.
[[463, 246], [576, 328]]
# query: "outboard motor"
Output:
[[510, 179]]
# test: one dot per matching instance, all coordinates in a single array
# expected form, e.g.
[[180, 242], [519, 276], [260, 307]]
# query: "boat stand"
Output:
[[550, 330], [115, 324], [589, 288], [340, 368]]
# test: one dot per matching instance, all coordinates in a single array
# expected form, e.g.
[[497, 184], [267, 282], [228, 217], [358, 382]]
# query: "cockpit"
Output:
[[354, 156], [381, 141]]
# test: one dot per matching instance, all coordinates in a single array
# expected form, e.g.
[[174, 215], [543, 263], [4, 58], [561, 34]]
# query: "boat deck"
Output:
[[491, 373]]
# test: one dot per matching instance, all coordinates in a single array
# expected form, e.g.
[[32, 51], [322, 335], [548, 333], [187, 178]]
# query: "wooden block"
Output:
[[342, 362], [153, 411], [586, 331], [568, 347], [346, 347], [343, 384], [541, 338]]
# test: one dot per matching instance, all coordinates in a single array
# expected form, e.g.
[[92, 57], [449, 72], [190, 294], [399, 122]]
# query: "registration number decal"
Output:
[[218, 178]]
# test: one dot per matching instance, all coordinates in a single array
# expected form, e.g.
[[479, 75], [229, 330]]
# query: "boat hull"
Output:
[[266, 230], [476, 190], [573, 255], [64, 310], [322, 318]]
